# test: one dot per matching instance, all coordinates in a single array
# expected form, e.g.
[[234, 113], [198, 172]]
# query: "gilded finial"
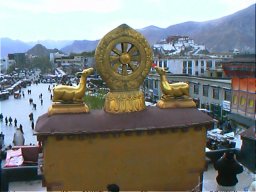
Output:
[[175, 95]]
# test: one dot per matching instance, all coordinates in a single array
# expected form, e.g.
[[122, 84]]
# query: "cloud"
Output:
[[61, 6]]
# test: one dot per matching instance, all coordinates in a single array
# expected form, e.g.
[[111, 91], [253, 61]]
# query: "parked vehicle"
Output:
[[17, 95], [4, 95]]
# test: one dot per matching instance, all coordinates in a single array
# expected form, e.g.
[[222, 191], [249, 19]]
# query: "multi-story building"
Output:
[[242, 71], [197, 65], [210, 93], [19, 59], [68, 63]]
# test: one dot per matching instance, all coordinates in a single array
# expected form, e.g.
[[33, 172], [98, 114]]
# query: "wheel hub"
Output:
[[125, 58]]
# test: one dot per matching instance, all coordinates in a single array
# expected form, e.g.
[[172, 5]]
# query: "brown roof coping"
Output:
[[98, 121]]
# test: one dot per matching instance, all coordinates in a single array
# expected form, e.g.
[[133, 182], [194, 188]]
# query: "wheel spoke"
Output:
[[132, 50], [133, 67], [114, 58], [124, 70], [115, 50], [116, 65], [124, 47]]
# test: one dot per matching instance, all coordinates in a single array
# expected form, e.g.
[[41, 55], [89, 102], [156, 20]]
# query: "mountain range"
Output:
[[220, 35]]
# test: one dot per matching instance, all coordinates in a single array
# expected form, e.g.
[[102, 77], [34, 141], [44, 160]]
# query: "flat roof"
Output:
[[99, 121]]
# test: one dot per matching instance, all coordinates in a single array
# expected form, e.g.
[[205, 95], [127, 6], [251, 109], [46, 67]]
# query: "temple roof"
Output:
[[99, 121]]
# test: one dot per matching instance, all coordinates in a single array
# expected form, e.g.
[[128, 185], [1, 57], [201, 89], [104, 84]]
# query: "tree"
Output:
[[10, 69], [42, 63]]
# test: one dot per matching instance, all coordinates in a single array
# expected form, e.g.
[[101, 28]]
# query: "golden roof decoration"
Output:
[[175, 95], [123, 60], [69, 99]]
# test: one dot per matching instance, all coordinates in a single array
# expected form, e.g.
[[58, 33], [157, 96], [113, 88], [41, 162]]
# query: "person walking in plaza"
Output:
[[10, 120], [15, 122], [34, 106], [1, 117], [21, 129], [6, 121], [32, 125], [18, 137], [31, 118], [30, 101]]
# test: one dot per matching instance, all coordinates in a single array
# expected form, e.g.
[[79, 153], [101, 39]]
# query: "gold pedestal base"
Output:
[[172, 102], [121, 102], [59, 108]]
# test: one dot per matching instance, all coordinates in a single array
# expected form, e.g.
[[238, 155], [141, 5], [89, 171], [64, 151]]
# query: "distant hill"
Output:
[[52, 44], [223, 34], [81, 46], [40, 50], [8, 45]]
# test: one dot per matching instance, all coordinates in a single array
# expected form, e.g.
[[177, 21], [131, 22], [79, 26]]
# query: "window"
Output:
[[202, 63], [189, 64], [184, 67], [215, 93], [189, 71], [227, 95], [196, 88], [184, 64], [235, 99], [160, 63], [165, 63], [155, 83], [196, 63], [205, 90], [251, 103], [202, 70], [242, 101], [196, 73], [209, 64]]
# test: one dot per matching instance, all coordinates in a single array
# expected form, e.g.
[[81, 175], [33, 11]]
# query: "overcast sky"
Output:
[[31, 20]]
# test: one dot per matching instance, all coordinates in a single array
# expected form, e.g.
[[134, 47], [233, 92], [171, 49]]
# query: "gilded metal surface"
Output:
[[71, 94], [123, 60], [175, 95], [59, 108], [117, 102], [69, 99]]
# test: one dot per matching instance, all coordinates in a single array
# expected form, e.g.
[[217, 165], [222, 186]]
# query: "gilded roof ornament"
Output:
[[69, 99], [175, 95], [123, 60]]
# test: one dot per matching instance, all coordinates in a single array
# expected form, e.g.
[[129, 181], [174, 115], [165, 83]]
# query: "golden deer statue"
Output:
[[174, 94], [70, 94], [174, 89]]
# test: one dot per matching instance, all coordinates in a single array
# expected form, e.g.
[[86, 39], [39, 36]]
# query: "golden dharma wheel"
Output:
[[123, 59]]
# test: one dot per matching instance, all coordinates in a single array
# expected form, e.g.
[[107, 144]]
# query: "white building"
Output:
[[193, 65], [179, 45]]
